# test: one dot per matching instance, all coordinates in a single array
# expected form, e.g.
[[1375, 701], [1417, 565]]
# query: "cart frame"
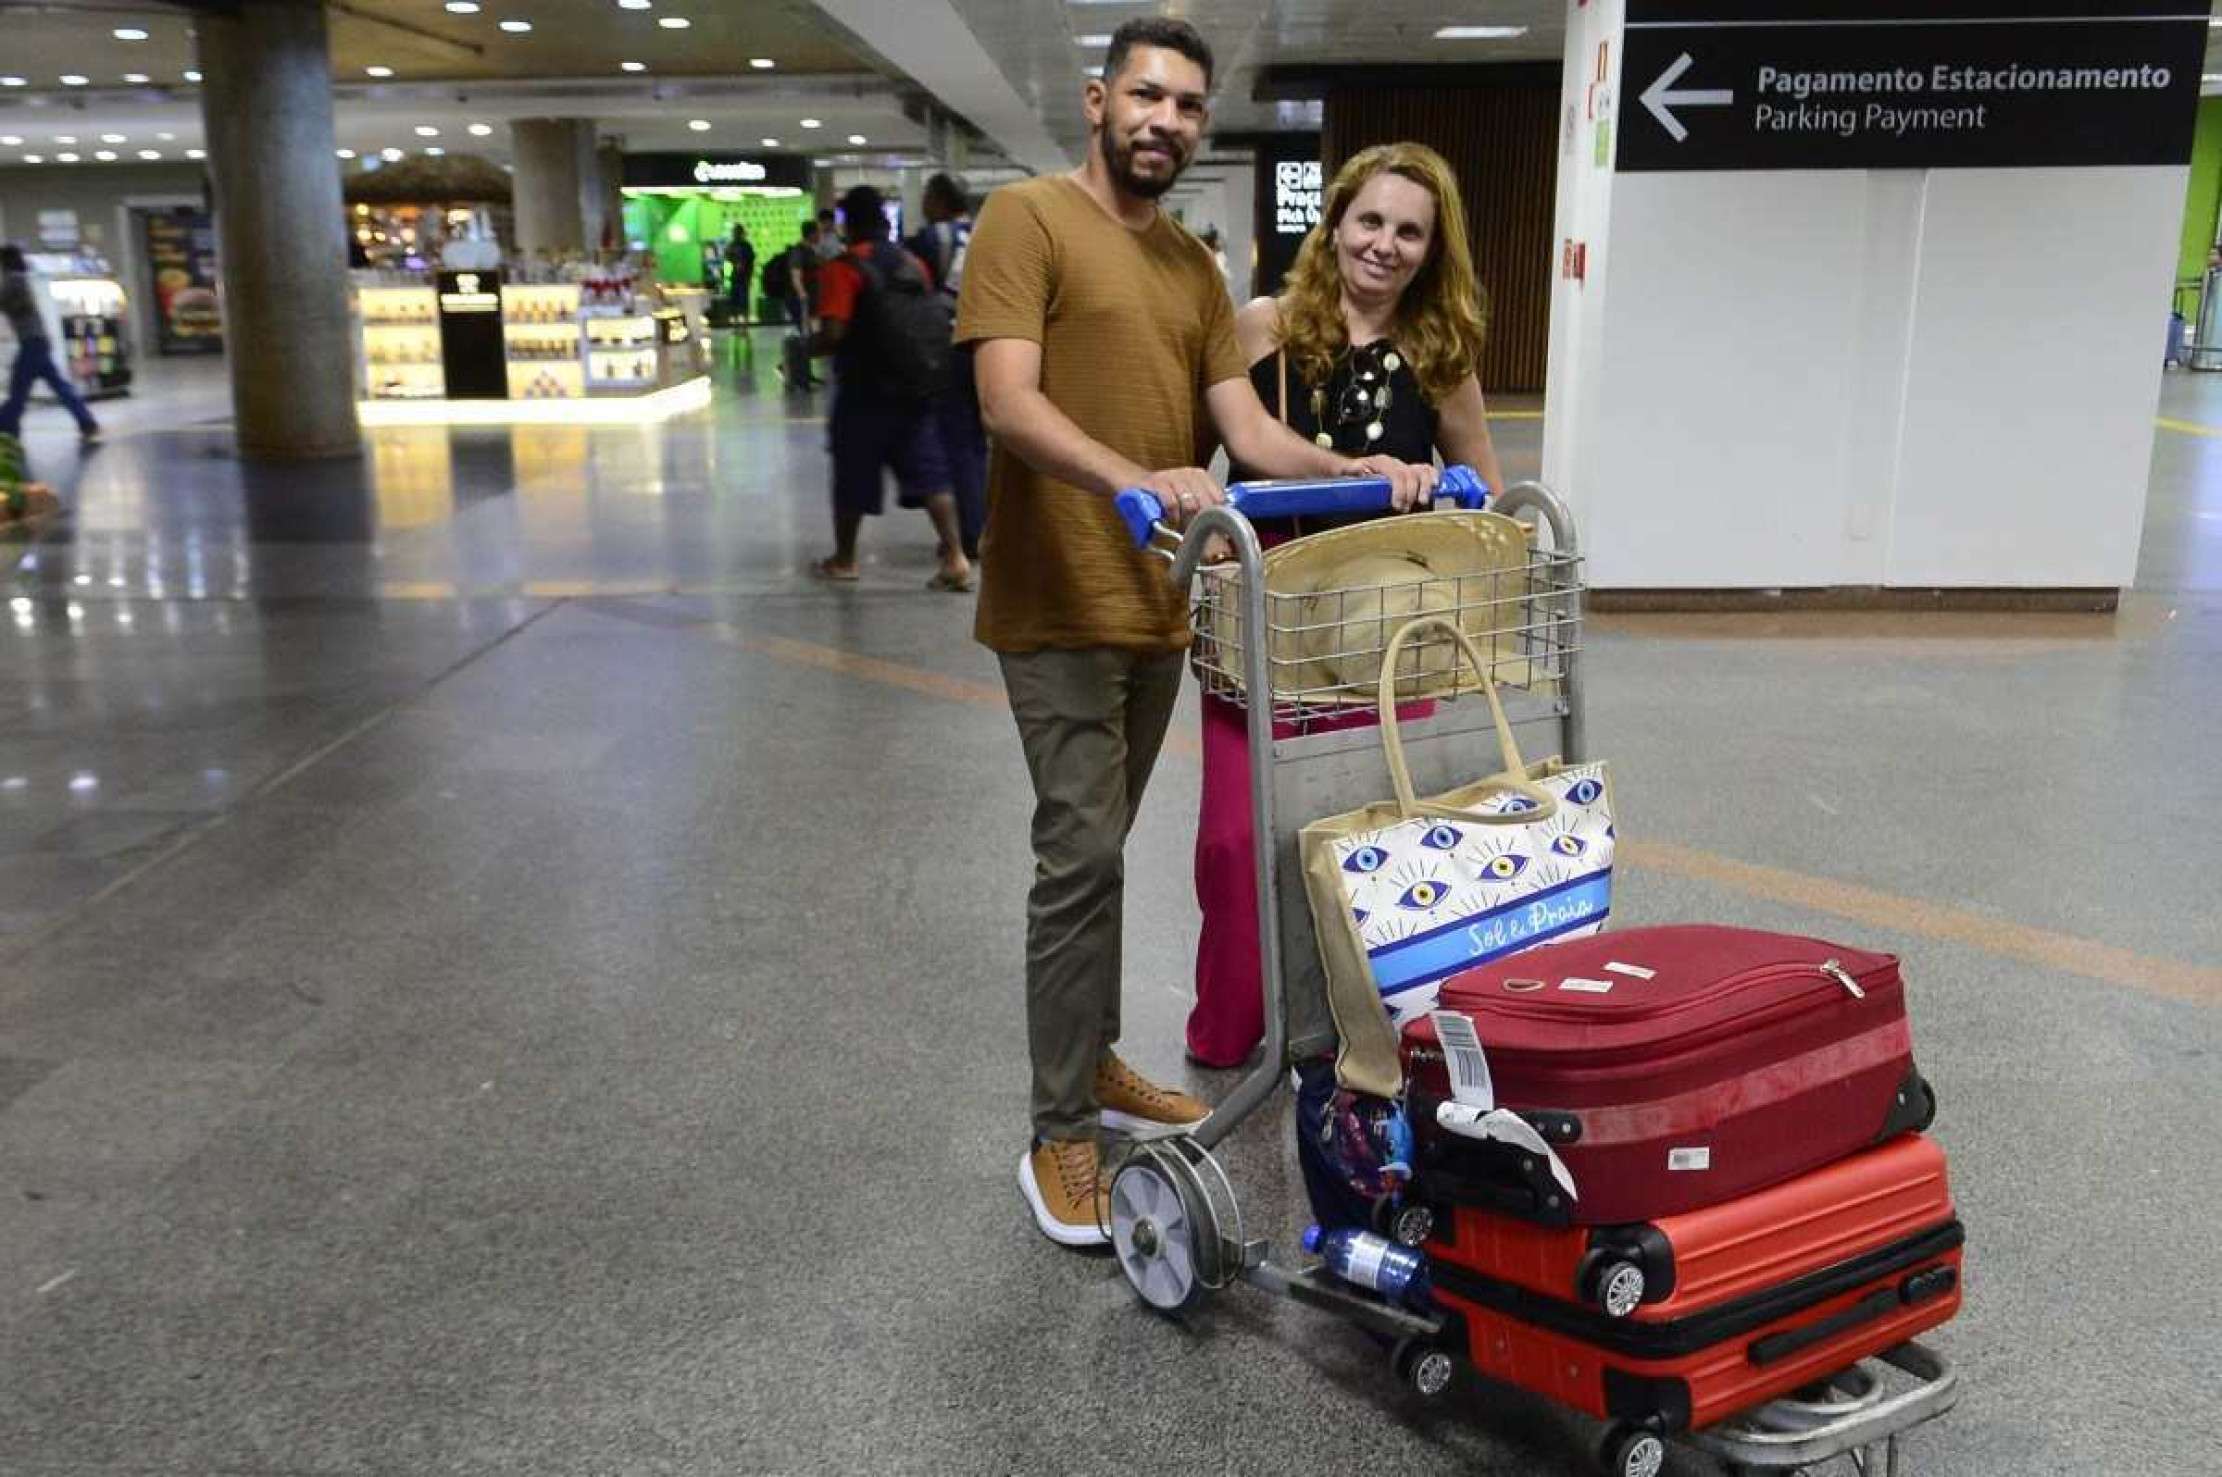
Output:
[[1175, 1221]]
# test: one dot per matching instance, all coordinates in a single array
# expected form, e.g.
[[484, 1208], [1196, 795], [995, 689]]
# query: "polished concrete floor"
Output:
[[501, 974]]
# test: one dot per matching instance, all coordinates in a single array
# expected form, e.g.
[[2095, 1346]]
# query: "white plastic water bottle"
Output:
[[1398, 1273]]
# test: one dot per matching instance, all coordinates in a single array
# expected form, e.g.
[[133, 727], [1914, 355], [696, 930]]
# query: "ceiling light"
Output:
[[72, 79], [762, 63], [137, 79], [770, 143], [1093, 38], [1480, 33], [856, 138], [196, 153], [105, 156], [345, 153], [426, 130], [673, 22], [65, 158], [150, 153], [113, 138], [1095, 71], [129, 33], [10, 140], [34, 158], [436, 152], [632, 66], [481, 130], [635, 4], [13, 81], [192, 76], [516, 28], [168, 138], [65, 138], [812, 123], [391, 156], [378, 71], [699, 125], [462, 7]]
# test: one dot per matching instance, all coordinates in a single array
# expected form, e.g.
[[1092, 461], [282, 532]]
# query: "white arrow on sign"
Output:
[[1662, 100]]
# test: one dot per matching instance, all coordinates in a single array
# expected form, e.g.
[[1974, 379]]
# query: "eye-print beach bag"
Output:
[[1408, 891]]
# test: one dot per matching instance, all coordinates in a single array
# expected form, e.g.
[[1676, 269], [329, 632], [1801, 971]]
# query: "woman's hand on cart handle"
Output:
[[1411, 484]]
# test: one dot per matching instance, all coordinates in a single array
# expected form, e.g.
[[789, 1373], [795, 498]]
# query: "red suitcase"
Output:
[[1715, 1310], [1671, 1068]]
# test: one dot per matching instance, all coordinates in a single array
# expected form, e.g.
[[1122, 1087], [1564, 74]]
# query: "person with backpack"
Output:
[[942, 246], [888, 332]]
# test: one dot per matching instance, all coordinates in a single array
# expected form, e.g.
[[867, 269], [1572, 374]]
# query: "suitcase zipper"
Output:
[[1832, 970]]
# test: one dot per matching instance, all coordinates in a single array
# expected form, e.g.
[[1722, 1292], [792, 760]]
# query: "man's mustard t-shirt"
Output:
[[1134, 326]]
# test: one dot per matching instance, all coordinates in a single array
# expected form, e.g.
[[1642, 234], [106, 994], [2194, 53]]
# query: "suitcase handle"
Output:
[[1919, 1287], [1307, 497]]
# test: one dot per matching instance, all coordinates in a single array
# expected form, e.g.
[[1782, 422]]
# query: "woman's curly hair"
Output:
[[1441, 319]]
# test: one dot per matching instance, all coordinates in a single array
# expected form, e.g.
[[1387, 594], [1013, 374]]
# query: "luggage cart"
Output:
[[1176, 1222]]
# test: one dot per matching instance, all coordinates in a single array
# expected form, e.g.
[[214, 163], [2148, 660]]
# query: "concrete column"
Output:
[[266, 106], [558, 188], [609, 193]]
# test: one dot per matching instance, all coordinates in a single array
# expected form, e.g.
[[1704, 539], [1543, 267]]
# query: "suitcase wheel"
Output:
[[1631, 1451], [1614, 1284], [1423, 1366]]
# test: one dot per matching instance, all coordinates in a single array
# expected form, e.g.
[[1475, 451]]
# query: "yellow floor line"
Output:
[[2171, 979], [1515, 415], [2188, 428]]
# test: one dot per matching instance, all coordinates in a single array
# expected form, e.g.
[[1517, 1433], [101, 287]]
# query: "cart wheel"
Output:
[[1615, 1285], [1157, 1224], [1412, 1225], [1630, 1451], [1423, 1366]]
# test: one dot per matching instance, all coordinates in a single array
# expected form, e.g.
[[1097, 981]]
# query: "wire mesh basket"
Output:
[[1325, 646]]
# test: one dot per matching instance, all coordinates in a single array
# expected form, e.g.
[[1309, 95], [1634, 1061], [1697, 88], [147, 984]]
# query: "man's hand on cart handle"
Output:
[[1411, 484], [1184, 492]]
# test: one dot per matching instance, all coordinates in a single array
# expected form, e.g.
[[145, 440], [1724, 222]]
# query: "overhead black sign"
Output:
[[1288, 196], [1827, 84], [715, 171]]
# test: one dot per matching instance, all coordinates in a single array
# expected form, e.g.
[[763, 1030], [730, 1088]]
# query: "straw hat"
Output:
[[1355, 586]]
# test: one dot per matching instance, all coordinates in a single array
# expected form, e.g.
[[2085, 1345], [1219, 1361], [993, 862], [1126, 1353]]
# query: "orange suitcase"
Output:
[[1678, 1323]]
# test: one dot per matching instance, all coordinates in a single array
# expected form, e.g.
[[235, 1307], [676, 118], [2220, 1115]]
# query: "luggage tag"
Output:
[[1472, 1111], [1633, 971], [1469, 1065]]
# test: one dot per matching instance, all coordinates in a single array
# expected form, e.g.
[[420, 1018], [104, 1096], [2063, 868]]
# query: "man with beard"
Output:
[[1101, 329]]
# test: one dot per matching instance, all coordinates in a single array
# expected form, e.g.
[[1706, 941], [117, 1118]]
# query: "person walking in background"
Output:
[[740, 262], [803, 265], [1371, 347], [826, 240], [34, 351], [1101, 332], [942, 246], [881, 320]]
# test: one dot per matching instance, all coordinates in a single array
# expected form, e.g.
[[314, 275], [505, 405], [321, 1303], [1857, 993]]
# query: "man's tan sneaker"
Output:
[[1063, 1182], [1132, 1104]]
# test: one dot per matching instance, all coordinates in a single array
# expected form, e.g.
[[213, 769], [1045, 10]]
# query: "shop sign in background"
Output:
[[181, 259], [1853, 84]]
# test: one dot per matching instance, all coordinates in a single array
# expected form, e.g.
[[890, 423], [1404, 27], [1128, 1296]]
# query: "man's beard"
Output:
[[1120, 161]]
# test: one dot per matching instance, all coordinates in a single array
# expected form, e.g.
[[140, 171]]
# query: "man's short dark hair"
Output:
[[809, 229], [1161, 31], [862, 214], [944, 189], [11, 257]]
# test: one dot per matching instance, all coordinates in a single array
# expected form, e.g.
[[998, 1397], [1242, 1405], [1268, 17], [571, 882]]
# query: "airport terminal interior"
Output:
[[504, 971]]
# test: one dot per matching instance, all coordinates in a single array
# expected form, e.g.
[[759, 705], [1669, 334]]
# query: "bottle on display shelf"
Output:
[[1363, 1259]]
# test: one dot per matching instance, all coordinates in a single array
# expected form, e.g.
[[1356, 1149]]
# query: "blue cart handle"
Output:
[[1303, 498]]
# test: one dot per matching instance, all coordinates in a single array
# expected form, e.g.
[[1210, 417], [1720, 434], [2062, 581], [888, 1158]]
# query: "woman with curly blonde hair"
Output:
[[1370, 348]]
